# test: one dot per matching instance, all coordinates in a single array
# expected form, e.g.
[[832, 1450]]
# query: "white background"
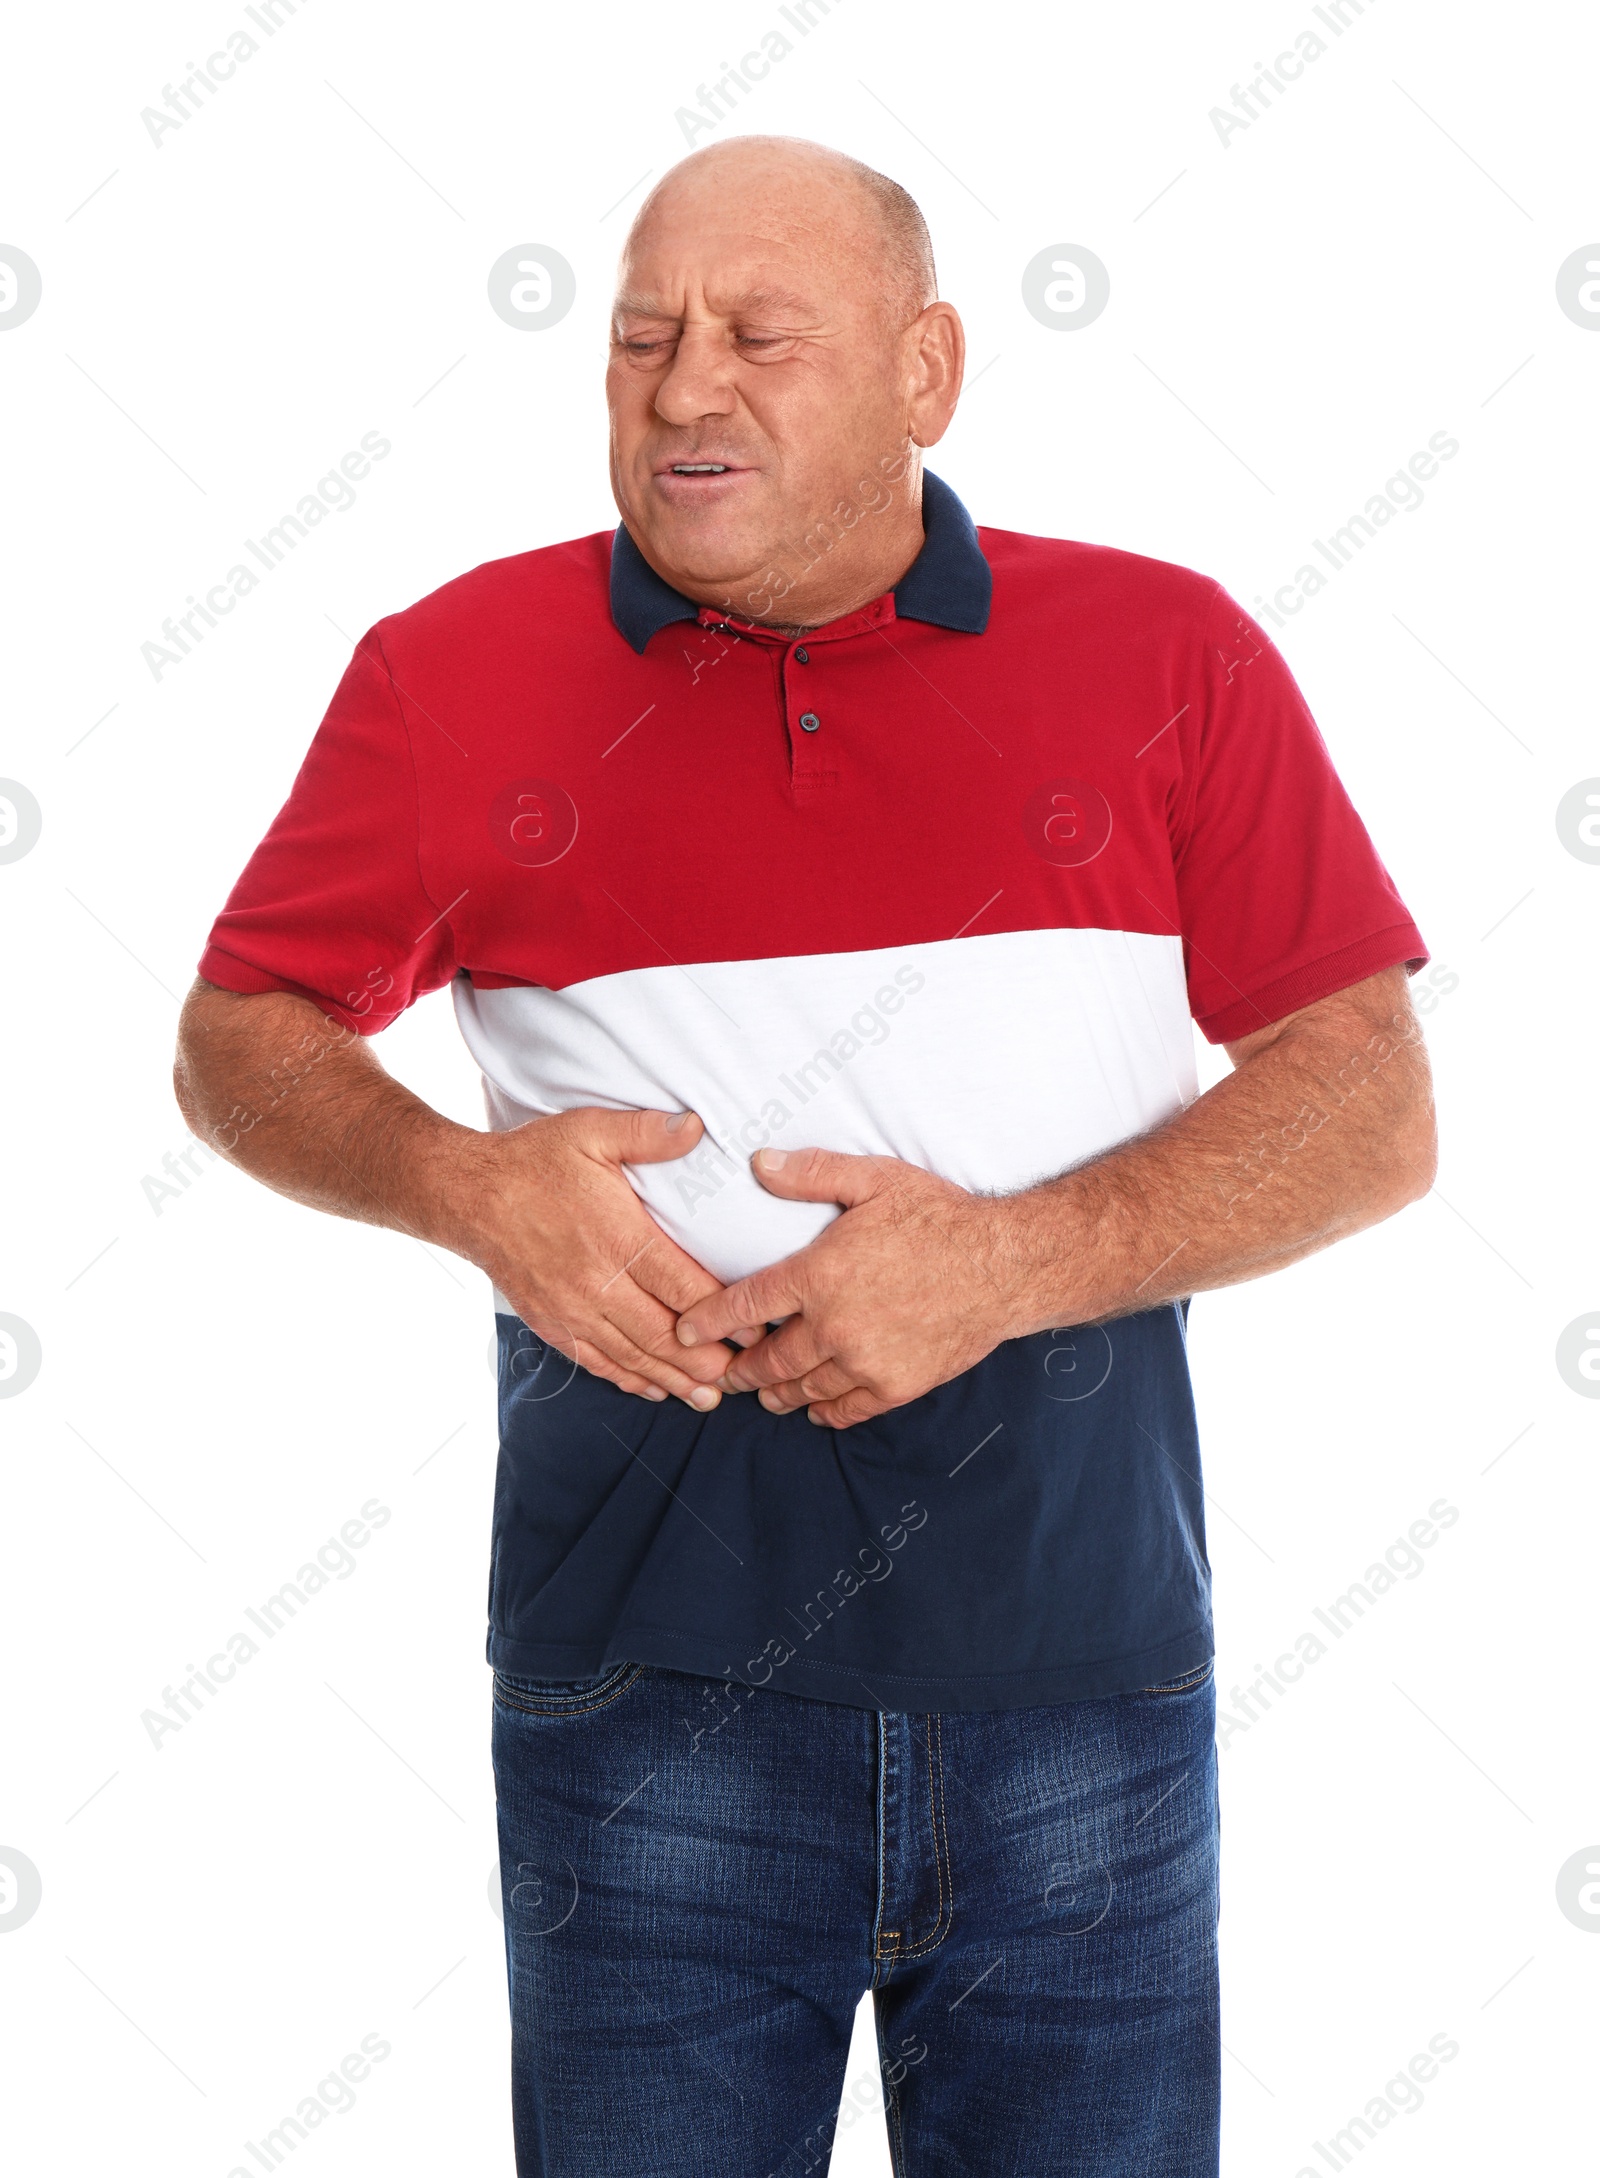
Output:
[[224, 1383]]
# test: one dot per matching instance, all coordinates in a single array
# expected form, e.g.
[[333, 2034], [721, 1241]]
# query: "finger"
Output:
[[859, 1405], [620, 1352], [594, 1363], [819, 1175], [634, 1138], [765, 1297], [663, 1268], [643, 1319], [779, 1358], [749, 1336], [741, 1342], [827, 1381], [561, 1339], [623, 1353], [594, 1343]]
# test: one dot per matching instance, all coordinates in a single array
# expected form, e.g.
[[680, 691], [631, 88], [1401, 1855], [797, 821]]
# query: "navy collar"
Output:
[[948, 582]]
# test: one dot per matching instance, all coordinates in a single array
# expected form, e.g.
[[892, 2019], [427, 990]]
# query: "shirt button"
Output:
[[809, 722], [802, 657]]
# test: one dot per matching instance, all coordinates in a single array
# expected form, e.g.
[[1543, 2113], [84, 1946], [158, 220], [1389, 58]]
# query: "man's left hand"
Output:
[[912, 1285]]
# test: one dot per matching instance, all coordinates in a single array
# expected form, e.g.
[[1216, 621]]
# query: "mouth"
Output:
[[696, 468], [703, 484]]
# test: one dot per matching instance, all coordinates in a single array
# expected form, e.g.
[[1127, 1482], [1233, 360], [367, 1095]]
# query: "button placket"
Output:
[[807, 742]]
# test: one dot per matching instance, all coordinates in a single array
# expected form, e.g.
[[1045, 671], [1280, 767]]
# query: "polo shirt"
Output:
[[947, 879]]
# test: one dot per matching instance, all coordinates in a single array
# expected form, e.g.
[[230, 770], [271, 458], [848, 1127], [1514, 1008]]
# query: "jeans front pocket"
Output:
[[564, 1697], [1186, 1683]]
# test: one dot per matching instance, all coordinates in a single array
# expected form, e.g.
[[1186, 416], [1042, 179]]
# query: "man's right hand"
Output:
[[573, 1249], [302, 1103]]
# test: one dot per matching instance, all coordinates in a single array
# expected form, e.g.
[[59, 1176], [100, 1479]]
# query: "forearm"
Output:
[[545, 1209], [302, 1104], [1326, 1130]]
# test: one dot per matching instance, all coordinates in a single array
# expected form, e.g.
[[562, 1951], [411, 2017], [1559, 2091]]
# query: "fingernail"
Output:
[[676, 1121], [772, 1403], [655, 1392], [704, 1397], [771, 1160], [734, 1383], [687, 1334]]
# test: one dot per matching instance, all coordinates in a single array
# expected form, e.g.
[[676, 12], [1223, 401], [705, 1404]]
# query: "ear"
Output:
[[936, 356]]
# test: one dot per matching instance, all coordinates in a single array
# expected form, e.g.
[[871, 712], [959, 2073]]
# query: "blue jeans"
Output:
[[701, 1880]]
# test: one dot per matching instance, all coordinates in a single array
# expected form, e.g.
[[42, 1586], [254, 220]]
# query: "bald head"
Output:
[[779, 357], [790, 184]]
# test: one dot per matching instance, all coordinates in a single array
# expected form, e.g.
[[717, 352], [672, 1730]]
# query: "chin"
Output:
[[708, 553]]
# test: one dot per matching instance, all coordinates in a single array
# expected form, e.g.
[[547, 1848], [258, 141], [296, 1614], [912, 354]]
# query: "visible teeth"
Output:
[[699, 468]]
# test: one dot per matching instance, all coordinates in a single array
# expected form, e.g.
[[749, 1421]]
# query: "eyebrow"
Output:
[[753, 303]]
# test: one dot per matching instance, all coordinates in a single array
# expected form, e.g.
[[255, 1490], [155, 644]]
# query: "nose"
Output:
[[699, 380]]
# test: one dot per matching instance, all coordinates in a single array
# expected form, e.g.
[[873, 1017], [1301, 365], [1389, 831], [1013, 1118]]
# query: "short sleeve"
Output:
[[1282, 897], [332, 905]]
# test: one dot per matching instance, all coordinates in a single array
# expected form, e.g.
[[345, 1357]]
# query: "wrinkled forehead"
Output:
[[801, 253]]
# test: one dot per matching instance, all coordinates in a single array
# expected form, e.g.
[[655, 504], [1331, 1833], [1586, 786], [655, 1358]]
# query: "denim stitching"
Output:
[[879, 1933], [1190, 1679], [509, 1699], [934, 1727]]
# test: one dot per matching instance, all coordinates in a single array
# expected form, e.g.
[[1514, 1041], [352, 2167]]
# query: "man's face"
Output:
[[755, 378]]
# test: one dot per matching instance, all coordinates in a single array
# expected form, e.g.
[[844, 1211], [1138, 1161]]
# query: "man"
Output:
[[826, 889]]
